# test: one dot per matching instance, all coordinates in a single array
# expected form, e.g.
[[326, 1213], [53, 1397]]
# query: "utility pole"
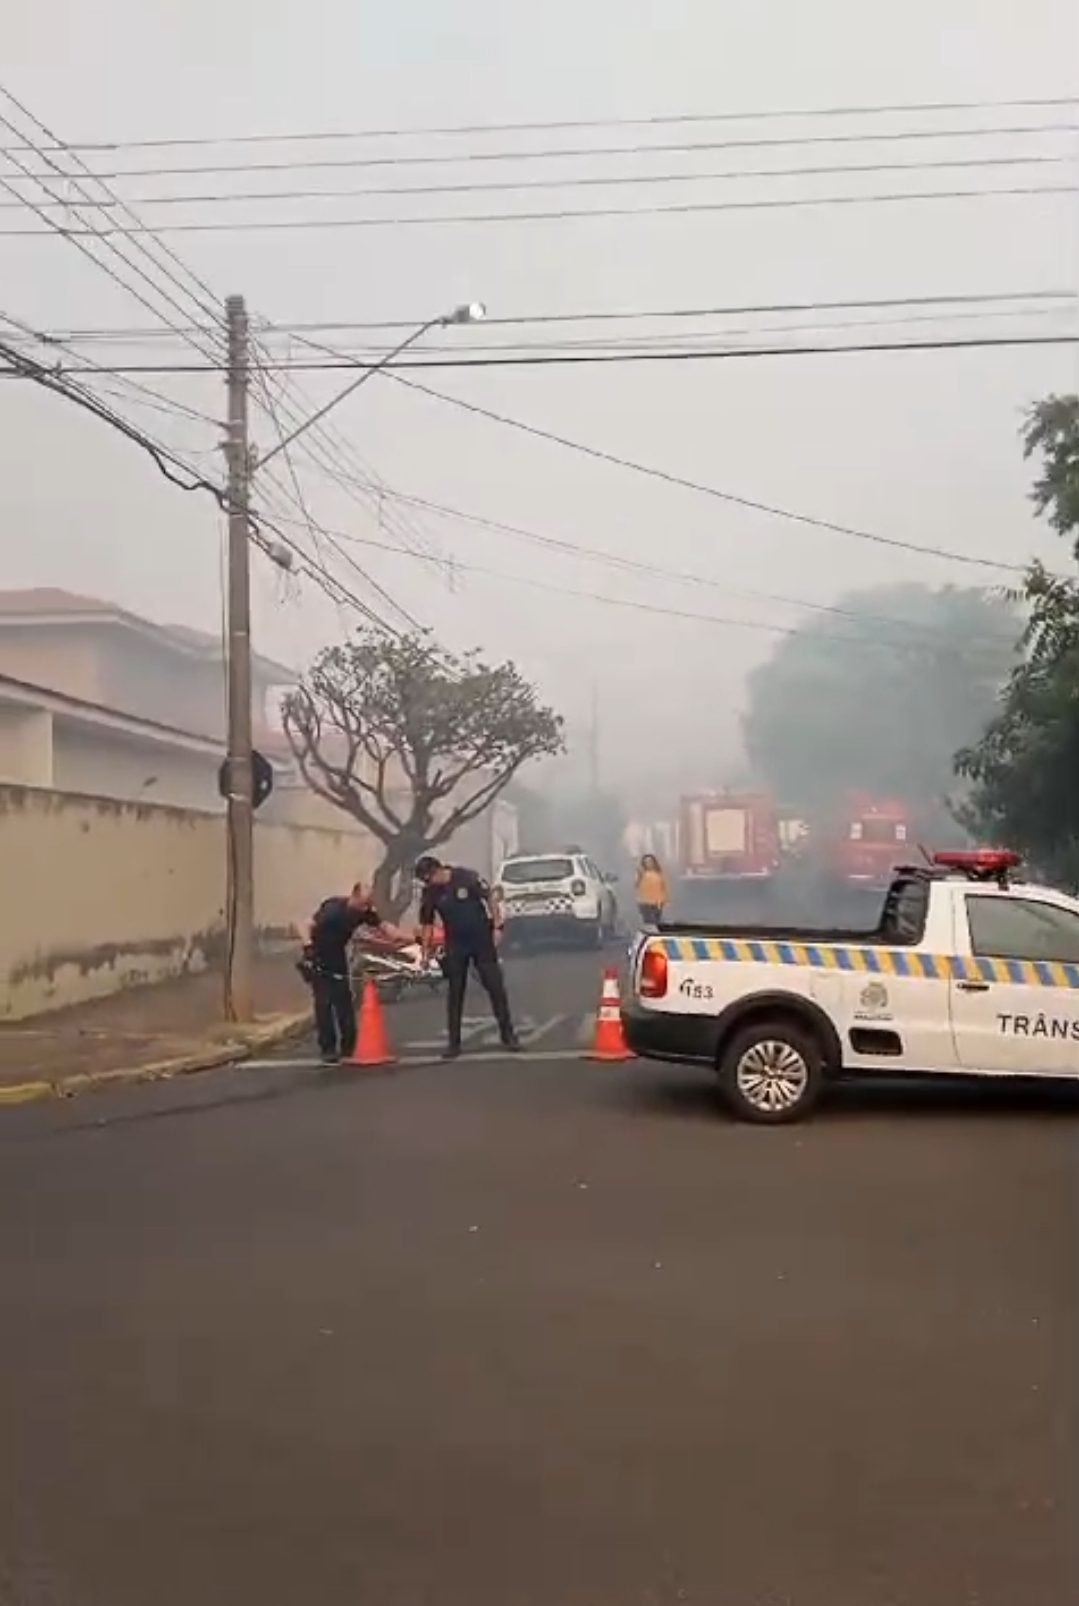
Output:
[[593, 742], [239, 803]]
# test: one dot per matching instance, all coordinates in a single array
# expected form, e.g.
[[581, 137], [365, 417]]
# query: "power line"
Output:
[[169, 463], [327, 448], [84, 204], [663, 610], [598, 315], [278, 500], [24, 111], [664, 120], [145, 394], [560, 214], [666, 342], [305, 565], [319, 533], [632, 565], [577, 152], [78, 236], [601, 359], [668, 478], [207, 306], [372, 494], [1044, 103], [313, 529], [573, 549], [164, 458], [342, 361], [582, 181], [662, 342]]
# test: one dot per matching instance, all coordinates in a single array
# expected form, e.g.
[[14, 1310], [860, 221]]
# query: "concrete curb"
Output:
[[254, 1039]]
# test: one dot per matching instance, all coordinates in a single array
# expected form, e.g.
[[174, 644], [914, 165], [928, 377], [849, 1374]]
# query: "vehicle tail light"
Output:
[[652, 982], [578, 889]]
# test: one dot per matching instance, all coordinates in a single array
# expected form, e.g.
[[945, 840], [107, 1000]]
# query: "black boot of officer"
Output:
[[461, 900]]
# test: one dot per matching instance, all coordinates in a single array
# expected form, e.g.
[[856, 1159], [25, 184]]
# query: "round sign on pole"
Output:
[[261, 778]]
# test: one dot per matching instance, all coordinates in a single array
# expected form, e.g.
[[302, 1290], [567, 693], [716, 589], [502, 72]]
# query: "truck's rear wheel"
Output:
[[772, 1071]]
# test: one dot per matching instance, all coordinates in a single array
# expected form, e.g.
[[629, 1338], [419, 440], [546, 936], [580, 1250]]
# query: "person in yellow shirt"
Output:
[[651, 890]]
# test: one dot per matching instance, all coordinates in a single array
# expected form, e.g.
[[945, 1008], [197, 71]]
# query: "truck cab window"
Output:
[[1022, 928], [905, 910]]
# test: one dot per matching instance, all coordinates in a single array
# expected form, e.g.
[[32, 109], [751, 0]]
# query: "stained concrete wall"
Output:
[[101, 894]]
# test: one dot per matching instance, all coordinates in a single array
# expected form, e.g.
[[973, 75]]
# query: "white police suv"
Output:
[[547, 896]]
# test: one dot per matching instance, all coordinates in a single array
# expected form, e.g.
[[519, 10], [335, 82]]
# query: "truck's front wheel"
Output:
[[772, 1071]]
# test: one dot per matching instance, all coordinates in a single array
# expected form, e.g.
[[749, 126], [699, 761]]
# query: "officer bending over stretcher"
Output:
[[325, 968]]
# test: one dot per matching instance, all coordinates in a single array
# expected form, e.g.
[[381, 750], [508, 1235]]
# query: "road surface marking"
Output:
[[532, 1055], [472, 1028], [480, 1031], [479, 1037]]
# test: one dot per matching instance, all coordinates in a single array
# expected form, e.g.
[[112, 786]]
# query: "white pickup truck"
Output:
[[964, 974]]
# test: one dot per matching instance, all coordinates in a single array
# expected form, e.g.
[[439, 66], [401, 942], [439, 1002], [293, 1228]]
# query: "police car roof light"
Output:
[[979, 863]]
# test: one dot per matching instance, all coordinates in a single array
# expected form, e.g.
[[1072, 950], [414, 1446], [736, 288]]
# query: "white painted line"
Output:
[[284, 1065], [530, 1031], [472, 1028], [482, 1033], [486, 1056], [480, 1056]]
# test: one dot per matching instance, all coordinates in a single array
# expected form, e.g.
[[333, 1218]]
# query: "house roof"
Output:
[[54, 606]]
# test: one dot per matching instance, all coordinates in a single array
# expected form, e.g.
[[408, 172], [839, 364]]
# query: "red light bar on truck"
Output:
[[979, 863]]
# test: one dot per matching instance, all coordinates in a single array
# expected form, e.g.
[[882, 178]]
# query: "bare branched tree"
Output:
[[413, 742]]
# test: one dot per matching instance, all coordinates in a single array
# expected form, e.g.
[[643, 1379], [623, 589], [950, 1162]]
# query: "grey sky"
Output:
[[919, 446]]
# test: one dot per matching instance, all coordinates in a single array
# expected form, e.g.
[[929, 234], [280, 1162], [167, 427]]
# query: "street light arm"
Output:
[[383, 362]]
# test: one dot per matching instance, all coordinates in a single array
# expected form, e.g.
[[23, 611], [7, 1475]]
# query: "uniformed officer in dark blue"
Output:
[[324, 965], [472, 924]]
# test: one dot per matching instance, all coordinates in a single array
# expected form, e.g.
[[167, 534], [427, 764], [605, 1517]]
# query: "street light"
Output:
[[469, 312]]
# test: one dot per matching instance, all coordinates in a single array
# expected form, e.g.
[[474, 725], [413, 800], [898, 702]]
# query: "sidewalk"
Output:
[[168, 1029]]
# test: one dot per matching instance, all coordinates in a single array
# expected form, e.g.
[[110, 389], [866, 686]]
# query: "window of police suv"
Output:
[[519, 871], [1022, 928]]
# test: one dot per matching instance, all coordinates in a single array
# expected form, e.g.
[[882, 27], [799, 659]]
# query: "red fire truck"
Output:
[[869, 837], [728, 837]]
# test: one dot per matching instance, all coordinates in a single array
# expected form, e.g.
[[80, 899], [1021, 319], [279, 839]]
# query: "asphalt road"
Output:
[[553, 995], [535, 1333]]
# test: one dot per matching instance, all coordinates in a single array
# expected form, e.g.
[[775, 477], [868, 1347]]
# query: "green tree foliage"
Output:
[[878, 699], [1024, 770], [413, 742]]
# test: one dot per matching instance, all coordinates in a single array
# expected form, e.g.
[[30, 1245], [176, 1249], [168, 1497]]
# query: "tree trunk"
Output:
[[391, 886]]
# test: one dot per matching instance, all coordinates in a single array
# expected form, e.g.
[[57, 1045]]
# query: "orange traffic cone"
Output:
[[609, 1042], [372, 1042]]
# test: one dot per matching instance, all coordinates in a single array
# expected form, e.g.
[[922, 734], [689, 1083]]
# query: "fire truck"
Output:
[[867, 839], [728, 837]]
